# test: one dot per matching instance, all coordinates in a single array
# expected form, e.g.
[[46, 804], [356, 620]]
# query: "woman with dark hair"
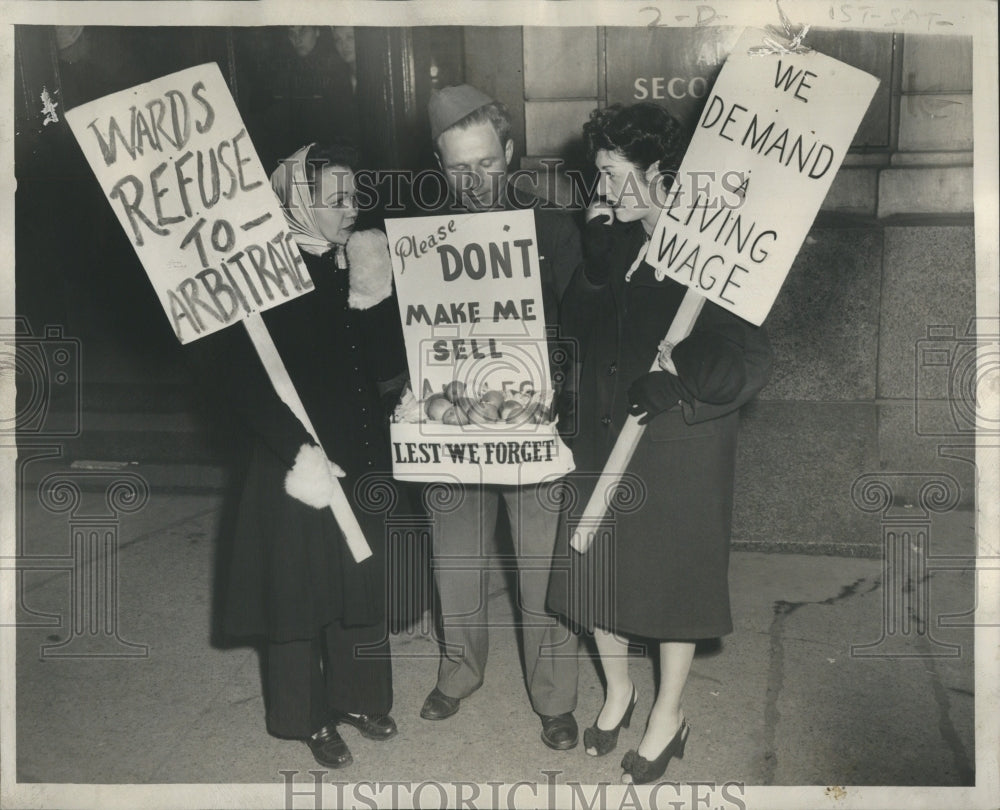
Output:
[[292, 579], [659, 571]]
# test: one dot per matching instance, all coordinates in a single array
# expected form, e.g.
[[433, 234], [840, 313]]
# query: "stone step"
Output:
[[165, 396], [167, 442], [95, 475]]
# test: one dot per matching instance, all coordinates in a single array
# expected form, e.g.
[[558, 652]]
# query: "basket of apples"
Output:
[[493, 408], [493, 438]]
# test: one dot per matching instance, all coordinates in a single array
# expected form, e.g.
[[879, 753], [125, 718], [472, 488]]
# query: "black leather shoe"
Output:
[[641, 771], [559, 731], [329, 748], [438, 705], [603, 741], [378, 728]]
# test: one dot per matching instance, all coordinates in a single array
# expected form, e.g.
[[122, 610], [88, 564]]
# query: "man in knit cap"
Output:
[[472, 140]]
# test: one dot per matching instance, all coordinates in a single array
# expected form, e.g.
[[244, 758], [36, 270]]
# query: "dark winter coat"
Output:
[[660, 568], [291, 571]]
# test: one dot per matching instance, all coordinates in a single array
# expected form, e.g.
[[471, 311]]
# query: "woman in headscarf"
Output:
[[292, 578], [659, 571]]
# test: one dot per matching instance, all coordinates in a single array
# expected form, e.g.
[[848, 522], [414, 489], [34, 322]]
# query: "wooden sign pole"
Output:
[[172, 267], [781, 202], [285, 389], [628, 439]]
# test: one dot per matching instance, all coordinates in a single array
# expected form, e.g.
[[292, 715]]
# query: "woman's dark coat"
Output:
[[659, 567], [291, 572]]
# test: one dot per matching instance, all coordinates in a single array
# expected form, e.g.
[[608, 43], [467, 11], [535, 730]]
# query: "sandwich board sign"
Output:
[[470, 304]]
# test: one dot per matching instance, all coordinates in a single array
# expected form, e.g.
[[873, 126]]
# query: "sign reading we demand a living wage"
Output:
[[470, 302], [177, 165], [766, 148]]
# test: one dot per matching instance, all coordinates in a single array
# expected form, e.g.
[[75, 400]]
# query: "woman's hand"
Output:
[[597, 240], [313, 477], [663, 359], [653, 393], [600, 207]]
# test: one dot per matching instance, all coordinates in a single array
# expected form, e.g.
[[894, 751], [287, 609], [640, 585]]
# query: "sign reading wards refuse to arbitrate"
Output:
[[184, 179], [765, 150]]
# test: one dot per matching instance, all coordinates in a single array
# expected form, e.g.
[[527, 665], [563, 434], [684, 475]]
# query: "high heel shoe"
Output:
[[604, 741], [644, 771]]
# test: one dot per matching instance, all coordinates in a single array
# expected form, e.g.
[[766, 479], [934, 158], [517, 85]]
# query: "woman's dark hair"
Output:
[[642, 133], [334, 153]]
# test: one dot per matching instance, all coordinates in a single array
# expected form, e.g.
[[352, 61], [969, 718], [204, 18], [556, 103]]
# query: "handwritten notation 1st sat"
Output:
[[845, 14]]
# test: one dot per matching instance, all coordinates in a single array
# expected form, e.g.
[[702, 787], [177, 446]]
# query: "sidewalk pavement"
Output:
[[782, 701]]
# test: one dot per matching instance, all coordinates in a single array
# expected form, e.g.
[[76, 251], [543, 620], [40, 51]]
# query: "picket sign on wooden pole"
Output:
[[628, 439], [278, 374], [775, 83], [176, 268]]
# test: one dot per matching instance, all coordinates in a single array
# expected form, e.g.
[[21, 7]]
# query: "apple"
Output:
[[455, 416], [492, 397], [534, 412], [454, 390], [511, 410], [484, 414], [436, 405]]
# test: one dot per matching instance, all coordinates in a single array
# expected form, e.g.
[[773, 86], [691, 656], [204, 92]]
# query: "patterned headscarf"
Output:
[[289, 179]]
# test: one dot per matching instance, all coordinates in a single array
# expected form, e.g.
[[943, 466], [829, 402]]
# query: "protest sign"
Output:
[[180, 172], [177, 166], [765, 150], [470, 302]]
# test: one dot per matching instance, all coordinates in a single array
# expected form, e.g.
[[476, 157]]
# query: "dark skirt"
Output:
[[659, 564]]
